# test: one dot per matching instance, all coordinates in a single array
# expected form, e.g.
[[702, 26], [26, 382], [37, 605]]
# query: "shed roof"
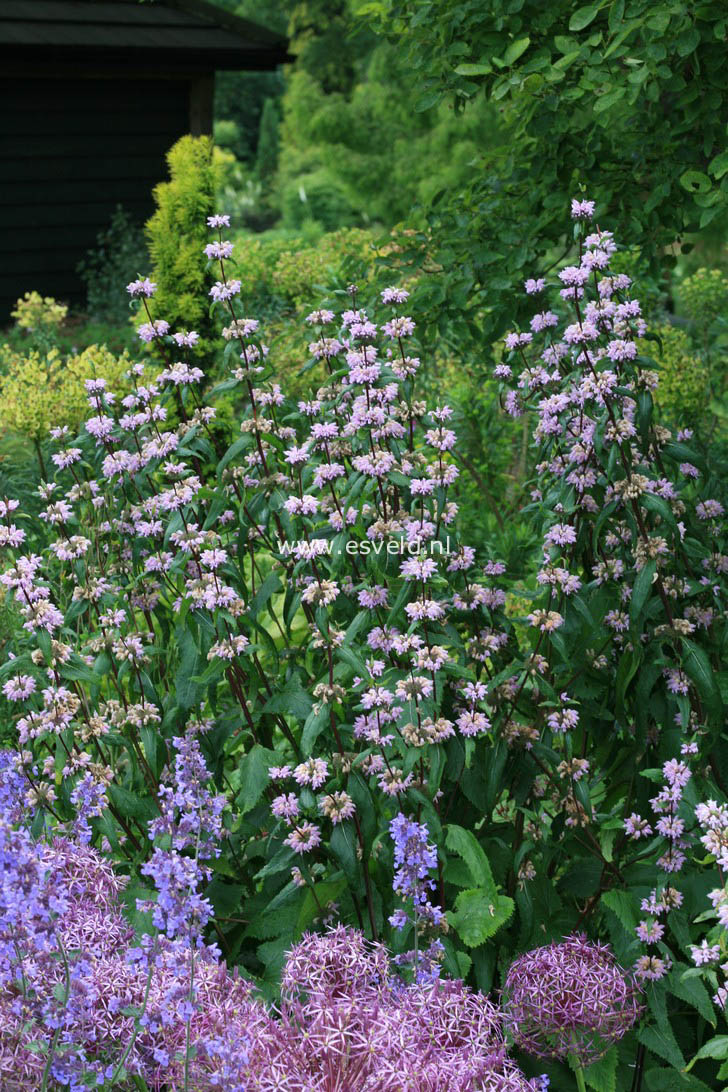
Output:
[[189, 34]]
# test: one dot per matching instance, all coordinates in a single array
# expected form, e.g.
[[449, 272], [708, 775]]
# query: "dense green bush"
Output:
[[176, 234]]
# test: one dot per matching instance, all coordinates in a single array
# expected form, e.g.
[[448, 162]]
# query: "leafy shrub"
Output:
[[35, 313], [119, 256], [317, 196], [684, 390], [395, 747], [704, 296], [266, 156], [296, 272], [176, 234], [40, 391]]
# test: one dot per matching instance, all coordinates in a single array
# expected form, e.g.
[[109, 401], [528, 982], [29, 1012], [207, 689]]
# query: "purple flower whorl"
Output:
[[570, 998]]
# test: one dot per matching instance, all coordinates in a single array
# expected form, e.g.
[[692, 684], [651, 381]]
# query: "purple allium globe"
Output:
[[569, 999]]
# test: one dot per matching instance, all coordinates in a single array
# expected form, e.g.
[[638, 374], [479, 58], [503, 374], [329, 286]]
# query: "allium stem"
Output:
[[579, 1074]]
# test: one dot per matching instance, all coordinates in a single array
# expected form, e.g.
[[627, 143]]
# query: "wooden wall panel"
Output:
[[70, 151]]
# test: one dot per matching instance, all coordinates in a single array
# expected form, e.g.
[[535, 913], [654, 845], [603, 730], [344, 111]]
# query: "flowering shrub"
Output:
[[348, 670]]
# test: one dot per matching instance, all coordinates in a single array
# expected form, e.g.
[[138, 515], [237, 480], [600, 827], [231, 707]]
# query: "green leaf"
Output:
[[719, 165], [688, 42], [291, 699], [697, 666], [682, 453], [671, 1080], [695, 182], [314, 726], [515, 50], [482, 69], [616, 15], [226, 898], [628, 665], [691, 990], [717, 1048], [342, 846], [78, 671], [622, 906], [427, 101], [187, 692], [582, 17], [129, 804], [602, 1075], [254, 776], [465, 844], [265, 592], [477, 916], [233, 451], [662, 1042], [311, 906], [605, 102], [659, 21], [641, 590]]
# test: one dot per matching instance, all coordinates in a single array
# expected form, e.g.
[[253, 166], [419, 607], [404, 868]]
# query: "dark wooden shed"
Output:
[[94, 93]]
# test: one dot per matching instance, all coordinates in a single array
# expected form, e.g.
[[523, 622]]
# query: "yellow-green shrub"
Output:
[[704, 295], [33, 312], [296, 272], [177, 234], [44, 390], [684, 388], [291, 267]]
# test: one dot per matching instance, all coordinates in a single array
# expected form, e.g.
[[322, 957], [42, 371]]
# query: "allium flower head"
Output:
[[569, 998], [337, 963]]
